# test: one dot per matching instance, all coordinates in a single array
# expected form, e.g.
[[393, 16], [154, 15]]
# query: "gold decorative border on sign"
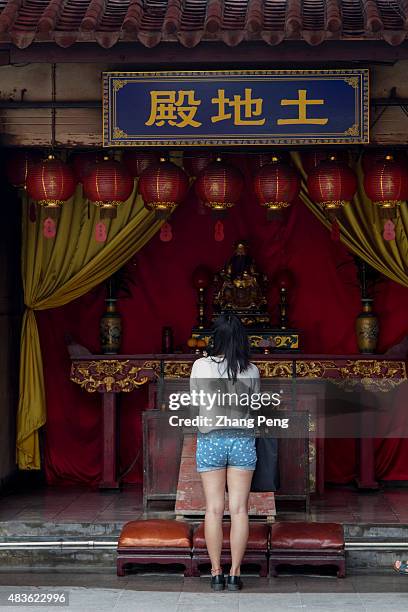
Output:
[[118, 133], [358, 133]]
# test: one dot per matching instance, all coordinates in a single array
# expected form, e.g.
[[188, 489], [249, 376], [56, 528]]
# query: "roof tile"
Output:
[[24, 22]]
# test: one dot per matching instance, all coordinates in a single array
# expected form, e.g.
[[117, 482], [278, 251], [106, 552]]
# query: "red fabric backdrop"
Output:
[[323, 304]]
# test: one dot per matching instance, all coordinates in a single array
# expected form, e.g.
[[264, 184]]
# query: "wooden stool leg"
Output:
[[272, 569], [263, 568], [120, 567], [188, 571], [195, 568], [341, 572]]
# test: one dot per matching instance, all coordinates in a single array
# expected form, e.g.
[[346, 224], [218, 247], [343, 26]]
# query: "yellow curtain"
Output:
[[361, 230], [57, 271]]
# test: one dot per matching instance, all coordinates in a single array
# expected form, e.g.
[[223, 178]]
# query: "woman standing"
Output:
[[226, 454]]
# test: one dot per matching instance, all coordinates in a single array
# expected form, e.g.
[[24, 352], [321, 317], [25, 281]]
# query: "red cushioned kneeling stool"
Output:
[[154, 541], [301, 543], [256, 551]]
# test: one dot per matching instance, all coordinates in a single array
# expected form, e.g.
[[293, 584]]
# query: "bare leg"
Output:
[[214, 491], [239, 484]]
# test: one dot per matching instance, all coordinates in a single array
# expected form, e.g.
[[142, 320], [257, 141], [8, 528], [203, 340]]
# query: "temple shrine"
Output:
[[164, 163]]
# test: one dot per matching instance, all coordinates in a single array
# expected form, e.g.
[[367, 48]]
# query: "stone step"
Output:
[[91, 547], [91, 561], [369, 532]]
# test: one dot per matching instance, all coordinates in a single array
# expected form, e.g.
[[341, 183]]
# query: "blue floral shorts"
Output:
[[220, 449]]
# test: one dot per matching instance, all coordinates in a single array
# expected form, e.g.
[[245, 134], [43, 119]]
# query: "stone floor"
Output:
[[73, 504], [153, 593]]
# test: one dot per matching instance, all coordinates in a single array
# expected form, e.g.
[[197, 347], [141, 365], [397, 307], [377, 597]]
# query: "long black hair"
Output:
[[231, 340]]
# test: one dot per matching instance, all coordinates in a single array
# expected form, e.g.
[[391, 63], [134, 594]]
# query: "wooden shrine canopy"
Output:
[[190, 22]]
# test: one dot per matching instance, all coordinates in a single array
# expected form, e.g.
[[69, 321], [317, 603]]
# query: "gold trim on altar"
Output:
[[125, 375]]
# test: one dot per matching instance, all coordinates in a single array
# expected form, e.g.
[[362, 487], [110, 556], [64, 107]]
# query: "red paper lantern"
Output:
[[332, 185], [51, 182], [83, 162], [195, 162], [386, 183], [219, 185], [138, 161], [108, 185], [312, 159], [163, 187], [276, 185], [18, 164]]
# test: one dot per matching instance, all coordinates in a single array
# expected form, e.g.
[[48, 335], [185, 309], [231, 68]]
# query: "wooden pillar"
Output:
[[366, 469], [366, 460], [109, 469]]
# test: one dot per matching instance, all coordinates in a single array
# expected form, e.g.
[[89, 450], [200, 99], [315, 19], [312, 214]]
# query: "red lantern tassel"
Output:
[[49, 228], [100, 232], [389, 231], [166, 234]]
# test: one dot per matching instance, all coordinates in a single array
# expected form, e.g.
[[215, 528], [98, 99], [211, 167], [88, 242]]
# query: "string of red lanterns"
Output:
[[163, 185]]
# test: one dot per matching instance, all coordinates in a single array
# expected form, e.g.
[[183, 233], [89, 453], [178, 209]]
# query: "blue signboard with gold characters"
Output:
[[235, 107]]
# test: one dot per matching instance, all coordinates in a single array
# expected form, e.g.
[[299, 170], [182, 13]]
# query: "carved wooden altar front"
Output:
[[125, 373], [110, 375]]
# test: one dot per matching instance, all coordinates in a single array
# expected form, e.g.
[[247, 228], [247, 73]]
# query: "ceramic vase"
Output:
[[111, 329], [367, 328]]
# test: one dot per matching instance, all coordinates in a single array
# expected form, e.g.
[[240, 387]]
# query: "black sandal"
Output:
[[234, 583], [217, 581]]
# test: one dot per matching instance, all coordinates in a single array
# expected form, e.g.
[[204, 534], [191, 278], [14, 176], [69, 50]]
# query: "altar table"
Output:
[[110, 375]]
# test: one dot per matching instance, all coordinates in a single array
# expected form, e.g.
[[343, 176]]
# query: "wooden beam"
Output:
[[22, 105]]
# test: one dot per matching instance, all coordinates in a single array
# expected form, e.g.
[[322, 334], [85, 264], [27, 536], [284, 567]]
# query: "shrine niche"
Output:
[[240, 289]]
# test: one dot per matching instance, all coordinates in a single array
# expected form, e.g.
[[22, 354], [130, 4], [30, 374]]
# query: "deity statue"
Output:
[[240, 288]]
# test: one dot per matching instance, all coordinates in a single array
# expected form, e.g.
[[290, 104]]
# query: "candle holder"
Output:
[[284, 280], [201, 281], [283, 308]]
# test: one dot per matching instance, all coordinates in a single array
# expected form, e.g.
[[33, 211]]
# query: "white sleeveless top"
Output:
[[210, 375]]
